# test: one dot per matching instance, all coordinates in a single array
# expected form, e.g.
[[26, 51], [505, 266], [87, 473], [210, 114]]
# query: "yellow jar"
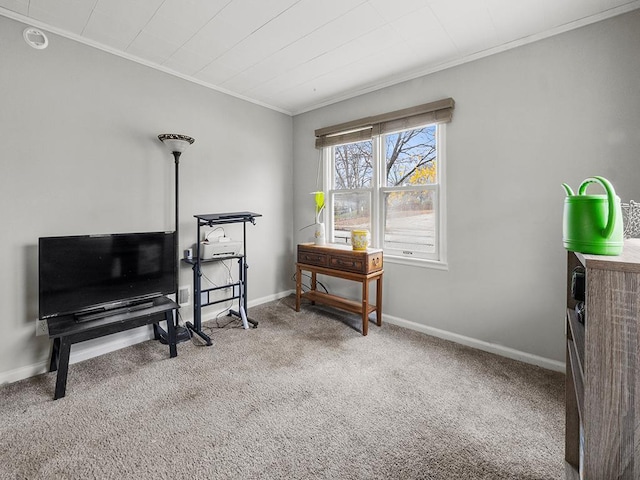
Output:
[[360, 239]]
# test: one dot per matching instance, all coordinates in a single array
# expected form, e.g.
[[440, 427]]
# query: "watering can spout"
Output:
[[568, 189]]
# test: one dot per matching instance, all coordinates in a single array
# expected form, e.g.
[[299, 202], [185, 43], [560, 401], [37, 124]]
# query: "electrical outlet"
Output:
[[42, 327], [184, 295]]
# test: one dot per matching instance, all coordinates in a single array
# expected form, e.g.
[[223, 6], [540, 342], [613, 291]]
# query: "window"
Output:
[[389, 181], [350, 192]]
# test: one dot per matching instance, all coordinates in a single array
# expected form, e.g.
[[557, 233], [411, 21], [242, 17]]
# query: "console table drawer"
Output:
[[345, 263], [341, 257], [312, 258], [358, 264]]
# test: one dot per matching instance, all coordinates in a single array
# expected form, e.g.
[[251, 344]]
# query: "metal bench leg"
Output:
[[55, 355], [171, 334], [63, 368]]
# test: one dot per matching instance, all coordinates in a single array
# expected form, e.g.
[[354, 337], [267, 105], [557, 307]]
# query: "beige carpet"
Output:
[[303, 396]]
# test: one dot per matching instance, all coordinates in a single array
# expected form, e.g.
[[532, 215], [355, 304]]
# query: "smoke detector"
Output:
[[35, 38]]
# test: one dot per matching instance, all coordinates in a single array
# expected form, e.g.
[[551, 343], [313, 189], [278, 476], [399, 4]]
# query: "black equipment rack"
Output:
[[238, 289]]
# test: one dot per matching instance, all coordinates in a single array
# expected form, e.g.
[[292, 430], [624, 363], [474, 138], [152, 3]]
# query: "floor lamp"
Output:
[[177, 144]]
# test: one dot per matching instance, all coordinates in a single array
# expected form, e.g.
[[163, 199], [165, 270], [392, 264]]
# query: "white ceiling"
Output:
[[296, 55]]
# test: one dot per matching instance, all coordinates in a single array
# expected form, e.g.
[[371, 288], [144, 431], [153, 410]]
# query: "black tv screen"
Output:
[[91, 272]]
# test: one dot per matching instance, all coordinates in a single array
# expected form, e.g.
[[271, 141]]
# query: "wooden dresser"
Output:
[[341, 261], [603, 367]]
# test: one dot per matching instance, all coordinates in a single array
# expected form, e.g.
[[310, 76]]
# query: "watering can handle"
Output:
[[611, 198]]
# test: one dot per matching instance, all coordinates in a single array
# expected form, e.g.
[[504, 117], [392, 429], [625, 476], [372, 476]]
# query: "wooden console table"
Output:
[[65, 331], [342, 262]]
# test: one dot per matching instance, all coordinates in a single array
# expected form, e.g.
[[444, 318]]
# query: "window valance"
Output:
[[440, 111]]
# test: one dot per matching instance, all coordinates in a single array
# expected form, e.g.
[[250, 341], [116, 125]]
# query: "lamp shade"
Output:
[[175, 142]]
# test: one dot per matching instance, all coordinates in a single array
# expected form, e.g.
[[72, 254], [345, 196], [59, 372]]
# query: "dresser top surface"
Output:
[[628, 260], [333, 247]]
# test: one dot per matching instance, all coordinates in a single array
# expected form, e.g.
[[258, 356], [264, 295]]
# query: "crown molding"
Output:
[[105, 48], [399, 78], [421, 72]]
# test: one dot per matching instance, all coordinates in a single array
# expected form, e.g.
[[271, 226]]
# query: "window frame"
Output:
[[377, 193]]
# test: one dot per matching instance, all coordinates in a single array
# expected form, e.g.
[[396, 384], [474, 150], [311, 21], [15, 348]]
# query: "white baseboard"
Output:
[[93, 348], [24, 372], [99, 346], [479, 344], [82, 351], [269, 298], [85, 350], [211, 315]]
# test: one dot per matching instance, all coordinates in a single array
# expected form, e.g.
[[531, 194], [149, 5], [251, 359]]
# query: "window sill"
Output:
[[416, 262]]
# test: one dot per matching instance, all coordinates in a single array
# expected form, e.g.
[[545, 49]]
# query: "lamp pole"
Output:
[[177, 143], [176, 156]]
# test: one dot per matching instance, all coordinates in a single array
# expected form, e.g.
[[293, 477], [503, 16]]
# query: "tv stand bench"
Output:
[[65, 331]]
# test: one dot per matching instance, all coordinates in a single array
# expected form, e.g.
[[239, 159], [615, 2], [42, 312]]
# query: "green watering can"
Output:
[[592, 223]]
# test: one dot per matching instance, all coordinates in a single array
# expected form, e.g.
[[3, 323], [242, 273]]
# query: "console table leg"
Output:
[[298, 287], [379, 300], [63, 369], [314, 285], [365, 307]]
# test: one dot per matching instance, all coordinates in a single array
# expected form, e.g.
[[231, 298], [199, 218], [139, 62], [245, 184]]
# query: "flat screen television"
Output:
[[87, 273]]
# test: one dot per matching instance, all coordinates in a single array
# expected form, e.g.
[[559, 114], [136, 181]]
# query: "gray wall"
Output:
[[81, 155], [525, 121]]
